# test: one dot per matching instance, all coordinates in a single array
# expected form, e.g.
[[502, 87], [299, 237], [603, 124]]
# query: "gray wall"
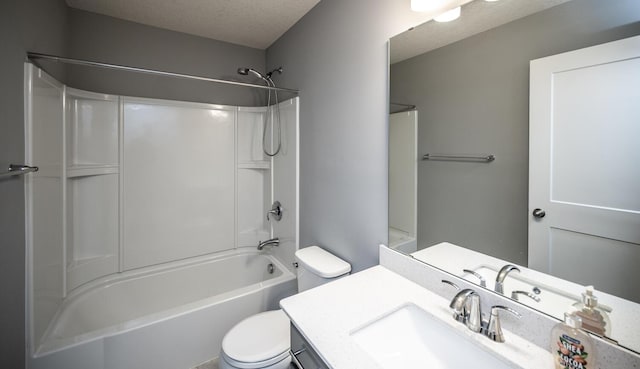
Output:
[[337, 56], [473, 97], [106, 39], [24, 25]]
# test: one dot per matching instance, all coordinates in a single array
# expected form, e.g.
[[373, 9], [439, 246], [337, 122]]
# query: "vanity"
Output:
[[396, 324], [397, 315]]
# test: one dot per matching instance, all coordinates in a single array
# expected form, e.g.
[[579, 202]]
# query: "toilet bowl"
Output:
[[259, 341], [262, 341]]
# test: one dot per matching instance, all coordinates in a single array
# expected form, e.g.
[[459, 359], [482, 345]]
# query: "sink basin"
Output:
[[553, 301], [410, 337]]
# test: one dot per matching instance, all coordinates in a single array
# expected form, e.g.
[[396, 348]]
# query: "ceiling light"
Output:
[[423, 5], [448, 16]]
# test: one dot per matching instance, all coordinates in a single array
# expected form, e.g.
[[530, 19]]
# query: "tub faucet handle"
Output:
[[276, 211]]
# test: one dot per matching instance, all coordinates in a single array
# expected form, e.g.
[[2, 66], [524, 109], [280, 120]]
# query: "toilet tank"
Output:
[[317, 266]]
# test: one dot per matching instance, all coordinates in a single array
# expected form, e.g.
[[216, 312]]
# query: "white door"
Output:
[[584, 166]]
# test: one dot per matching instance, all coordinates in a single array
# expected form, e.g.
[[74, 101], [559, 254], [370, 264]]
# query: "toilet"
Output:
[[262, 341]]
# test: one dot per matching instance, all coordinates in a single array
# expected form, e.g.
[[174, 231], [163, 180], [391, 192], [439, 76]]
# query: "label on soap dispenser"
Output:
[[571, 353]]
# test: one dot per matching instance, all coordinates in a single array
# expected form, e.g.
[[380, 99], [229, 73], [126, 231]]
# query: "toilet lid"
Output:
[[258, 338]]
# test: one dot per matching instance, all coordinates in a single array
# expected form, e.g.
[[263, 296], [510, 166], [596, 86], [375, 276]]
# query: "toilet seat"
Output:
[[283, 359], [258, 341]]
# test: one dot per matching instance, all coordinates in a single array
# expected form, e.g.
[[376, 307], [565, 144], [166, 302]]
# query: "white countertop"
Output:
[[327, 315]]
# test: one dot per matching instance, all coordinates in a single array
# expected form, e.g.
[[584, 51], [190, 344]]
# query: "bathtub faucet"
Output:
[[270, 242]]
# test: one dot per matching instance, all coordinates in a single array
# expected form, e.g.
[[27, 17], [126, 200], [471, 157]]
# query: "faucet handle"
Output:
[[276, 211], [483, 281], [445, 281], [514, 295], [458, 313], [494, 329]]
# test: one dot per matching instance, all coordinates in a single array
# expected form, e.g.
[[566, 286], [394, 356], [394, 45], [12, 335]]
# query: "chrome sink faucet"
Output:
[[466, 308], [270, 242], [502, 274]]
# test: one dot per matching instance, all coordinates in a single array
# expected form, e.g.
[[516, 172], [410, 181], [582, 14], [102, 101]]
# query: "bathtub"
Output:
[[172, 317]]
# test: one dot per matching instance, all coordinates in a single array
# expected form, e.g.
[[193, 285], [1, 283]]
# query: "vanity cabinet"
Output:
[[302, 354]]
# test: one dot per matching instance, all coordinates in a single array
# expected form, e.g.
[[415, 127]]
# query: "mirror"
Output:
[[463, 89]]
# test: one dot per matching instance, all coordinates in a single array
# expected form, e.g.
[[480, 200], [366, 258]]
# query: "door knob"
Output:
[[539, 213]]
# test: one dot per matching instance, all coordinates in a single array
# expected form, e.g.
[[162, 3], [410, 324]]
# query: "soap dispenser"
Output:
[[594, 318], [572, 348]]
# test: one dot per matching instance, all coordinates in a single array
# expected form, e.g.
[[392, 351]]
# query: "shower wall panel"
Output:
[[44, 198], [179, 184], [254, 178], [92, 185]]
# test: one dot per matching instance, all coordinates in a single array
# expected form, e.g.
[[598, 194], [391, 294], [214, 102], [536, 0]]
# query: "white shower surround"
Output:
[[165, 326], [179, 304]]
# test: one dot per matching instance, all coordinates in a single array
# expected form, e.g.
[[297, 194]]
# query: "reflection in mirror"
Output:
[[403, 179], [540, 291], [470, 83]]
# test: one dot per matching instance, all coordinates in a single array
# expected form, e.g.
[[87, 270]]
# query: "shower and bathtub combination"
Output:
[[143, 223]]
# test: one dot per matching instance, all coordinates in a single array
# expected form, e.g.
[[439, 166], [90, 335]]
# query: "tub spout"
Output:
[[270, 242]]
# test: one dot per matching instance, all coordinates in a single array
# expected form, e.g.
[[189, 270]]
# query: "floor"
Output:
[[213, 364]]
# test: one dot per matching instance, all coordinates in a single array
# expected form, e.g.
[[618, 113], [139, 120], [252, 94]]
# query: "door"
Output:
[[584, 166]]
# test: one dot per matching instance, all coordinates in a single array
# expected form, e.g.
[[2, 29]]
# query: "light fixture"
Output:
[[434, 5], [423, 5], [448, 16]]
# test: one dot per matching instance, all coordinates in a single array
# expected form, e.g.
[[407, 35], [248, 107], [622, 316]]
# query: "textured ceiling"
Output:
[[477, 16], [259, 23], [253, 23]]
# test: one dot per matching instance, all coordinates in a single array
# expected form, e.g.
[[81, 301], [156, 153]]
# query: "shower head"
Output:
[[273, 110], [246, 71], [279, 70]]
